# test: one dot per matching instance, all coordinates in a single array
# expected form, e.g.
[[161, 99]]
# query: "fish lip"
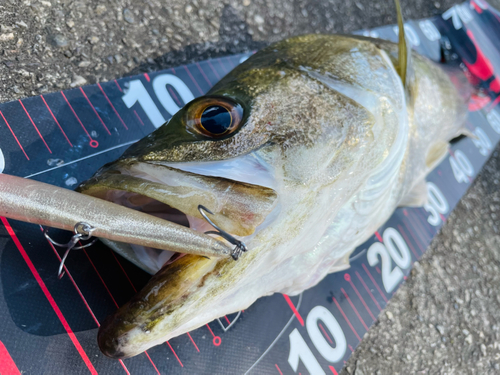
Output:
[[109, 346], [151, 316]]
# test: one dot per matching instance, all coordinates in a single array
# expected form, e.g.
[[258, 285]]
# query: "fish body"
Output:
[[302, 152]]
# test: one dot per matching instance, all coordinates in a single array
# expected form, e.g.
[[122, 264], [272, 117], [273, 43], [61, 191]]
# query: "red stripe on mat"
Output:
[[49, 297], [7, 364], [294, 309]]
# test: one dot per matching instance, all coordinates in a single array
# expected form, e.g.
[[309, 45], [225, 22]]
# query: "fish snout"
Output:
[[108, 343]]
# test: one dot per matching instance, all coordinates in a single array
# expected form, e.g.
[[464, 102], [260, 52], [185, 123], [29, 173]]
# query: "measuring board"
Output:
[[50, 325]]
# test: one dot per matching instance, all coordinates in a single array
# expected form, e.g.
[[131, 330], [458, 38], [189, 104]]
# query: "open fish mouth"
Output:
[[175, 194]]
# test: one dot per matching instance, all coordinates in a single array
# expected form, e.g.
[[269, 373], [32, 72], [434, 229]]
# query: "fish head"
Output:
[[267, 112], [273, 152]]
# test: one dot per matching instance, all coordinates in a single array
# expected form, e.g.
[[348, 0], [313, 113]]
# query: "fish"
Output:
[[301, 152]]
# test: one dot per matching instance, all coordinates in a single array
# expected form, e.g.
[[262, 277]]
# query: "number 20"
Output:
[[395, 248]]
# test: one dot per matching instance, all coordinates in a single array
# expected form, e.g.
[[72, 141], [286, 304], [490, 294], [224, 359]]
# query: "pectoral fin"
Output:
[[417, 196], [435, 154], [466, 132], [341, 264]]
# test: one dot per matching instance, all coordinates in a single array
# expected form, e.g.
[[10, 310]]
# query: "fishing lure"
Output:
[[47, 205]]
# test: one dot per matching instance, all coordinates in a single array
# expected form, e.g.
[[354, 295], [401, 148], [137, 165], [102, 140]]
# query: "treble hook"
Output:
[[83, 232], [239, 245]]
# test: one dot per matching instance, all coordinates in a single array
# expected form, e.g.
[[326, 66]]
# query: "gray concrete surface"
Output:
[[446, 318]]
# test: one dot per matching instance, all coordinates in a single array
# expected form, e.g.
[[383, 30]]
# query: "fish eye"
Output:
[[214, 117]]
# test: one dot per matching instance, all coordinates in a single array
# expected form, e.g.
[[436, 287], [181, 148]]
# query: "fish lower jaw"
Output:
[[158, 312]]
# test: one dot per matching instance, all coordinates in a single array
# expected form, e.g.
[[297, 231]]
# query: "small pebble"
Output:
[[100, 10], [440, 329], [6, 37], [128, 15], [60, 40], [258, 19], [78, 81], [22, 24]]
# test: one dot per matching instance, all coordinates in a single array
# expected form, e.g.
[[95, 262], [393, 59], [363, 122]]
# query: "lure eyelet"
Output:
[[214, 117]]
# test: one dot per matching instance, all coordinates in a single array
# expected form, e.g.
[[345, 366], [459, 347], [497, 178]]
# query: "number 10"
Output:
[[137, 93], [300, 351]]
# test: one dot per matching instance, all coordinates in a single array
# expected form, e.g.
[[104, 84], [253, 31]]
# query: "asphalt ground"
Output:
[[446, 318]]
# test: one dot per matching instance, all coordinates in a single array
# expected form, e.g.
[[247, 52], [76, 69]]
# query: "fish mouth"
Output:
[[174, 194]]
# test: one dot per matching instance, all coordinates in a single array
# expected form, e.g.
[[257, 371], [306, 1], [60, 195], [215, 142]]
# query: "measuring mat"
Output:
[[50, 325]]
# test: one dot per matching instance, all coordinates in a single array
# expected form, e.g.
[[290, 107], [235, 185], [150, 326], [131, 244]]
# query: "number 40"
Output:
[[461, 166]]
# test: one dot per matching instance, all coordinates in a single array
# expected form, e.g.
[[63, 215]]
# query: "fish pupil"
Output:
[[216, 119]]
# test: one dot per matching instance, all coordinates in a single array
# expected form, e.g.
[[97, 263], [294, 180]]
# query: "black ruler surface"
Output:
[[50, 325]]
